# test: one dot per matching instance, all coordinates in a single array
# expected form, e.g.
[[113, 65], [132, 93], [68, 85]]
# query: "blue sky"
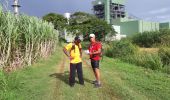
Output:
[[151, 10]]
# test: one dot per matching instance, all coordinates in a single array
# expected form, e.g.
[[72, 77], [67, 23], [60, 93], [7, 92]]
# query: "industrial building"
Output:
[[114, 12], [109, 9], [132, 26], [165, 25]]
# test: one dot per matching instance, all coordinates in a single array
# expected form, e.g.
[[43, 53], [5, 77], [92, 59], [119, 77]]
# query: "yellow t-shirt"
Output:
[[75, 53]]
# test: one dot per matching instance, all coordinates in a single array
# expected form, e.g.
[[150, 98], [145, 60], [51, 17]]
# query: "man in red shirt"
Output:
[[94, 52]]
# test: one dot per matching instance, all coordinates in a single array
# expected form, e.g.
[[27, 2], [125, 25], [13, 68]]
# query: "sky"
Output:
[[150, 10]]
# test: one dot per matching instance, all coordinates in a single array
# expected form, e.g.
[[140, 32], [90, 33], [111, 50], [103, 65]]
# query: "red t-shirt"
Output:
[[95, 47]]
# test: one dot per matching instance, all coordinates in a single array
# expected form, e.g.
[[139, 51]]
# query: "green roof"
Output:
[[119, 1], [113, 1]]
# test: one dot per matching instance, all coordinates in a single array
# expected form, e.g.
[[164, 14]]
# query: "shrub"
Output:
[[164, 53], [165, 37], [147, 60], [120, 49], [146, 39], [166, 69], [150, 39]]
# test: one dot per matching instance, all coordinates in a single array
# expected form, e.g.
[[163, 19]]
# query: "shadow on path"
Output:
[[65, 77]]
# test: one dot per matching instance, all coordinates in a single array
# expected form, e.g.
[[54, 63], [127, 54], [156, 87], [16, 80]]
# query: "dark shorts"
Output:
[[95, 64]]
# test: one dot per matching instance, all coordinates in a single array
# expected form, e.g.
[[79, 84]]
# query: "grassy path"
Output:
[[48, 80], [63, 91], [136, 83]]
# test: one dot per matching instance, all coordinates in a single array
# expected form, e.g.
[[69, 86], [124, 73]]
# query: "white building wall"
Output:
[[118, 34]]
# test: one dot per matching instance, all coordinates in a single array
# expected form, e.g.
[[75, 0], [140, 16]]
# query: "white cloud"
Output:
[[158, 18], [159, 11], [163, 16], [155, 12]]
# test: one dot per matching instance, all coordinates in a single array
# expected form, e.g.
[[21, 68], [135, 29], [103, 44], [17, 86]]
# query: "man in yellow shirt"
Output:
[[74, 52]]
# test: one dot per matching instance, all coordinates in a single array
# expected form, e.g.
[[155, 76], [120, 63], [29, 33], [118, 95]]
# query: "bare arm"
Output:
[[66, 53], [80, 52]]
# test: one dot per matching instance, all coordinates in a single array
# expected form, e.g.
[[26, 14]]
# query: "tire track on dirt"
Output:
[[59, 75]]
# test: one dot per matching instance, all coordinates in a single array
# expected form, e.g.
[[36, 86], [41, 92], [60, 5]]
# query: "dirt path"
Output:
[[59, 75]]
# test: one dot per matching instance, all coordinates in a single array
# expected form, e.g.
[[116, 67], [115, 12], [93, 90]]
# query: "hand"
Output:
[[71, 58], [80, 55], [90, 53]]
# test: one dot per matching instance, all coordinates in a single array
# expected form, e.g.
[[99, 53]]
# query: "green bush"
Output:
[[166, 69], [165, 37], [146, 39], [164, 53], [150, 39], [147, 60], [119, 49]]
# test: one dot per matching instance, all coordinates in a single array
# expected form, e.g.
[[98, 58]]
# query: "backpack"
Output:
[[101, 53], [73, 47]]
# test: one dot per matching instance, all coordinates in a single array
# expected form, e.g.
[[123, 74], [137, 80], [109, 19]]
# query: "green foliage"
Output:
[[24, 39], [146, 39], [164, 53], [166, 69], [135, 83], [2, 82], [81, 23], [120, 81], [84, 23], [33, 80], [147, 60], [8, 83], [118, 49], [128, 52], [59, 21], [165, 37], [150, 39]]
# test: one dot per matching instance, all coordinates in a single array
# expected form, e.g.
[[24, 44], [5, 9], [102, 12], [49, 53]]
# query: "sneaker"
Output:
[[94, 82], [71, 85], [97, 85], [81, 84]]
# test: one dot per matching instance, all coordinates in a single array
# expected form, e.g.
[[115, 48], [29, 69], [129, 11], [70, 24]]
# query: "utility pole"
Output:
[[16, 7]]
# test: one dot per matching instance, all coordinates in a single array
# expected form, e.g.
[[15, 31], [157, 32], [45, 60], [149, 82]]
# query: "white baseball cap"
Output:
[[91, 35]]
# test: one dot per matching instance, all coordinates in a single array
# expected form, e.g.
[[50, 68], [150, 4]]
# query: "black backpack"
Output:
[[73, 47]]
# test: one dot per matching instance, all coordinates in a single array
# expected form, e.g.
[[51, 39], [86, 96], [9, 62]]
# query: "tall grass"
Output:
[[118, 49], [164, 53], [147, 60], [24, 39], [8, 84], [147, 39], [165, 37], [130, 53], [152, 39]]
